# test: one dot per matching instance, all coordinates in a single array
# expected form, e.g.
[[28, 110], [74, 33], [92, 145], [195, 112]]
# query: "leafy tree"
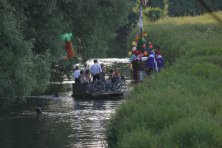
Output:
[[119, 45], [95, 23], [156, 3], [43, 24], [16, 65]]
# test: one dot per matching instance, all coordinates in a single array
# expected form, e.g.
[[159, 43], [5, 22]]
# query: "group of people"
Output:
[[96, 72], [155, 61], [81, 76]]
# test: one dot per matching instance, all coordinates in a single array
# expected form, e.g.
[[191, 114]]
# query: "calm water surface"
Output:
[[66, 123]]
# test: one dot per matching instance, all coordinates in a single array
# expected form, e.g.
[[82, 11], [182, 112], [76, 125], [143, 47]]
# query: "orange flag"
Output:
[[69, 50]]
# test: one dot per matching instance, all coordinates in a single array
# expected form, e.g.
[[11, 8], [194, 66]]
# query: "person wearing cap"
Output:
[[76, 75], [96, 70]]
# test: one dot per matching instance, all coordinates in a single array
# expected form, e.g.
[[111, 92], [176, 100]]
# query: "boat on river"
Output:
[[81, 91]]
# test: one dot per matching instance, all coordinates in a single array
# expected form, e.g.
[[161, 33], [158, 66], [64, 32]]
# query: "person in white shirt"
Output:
[[76, 75], [96, 70]]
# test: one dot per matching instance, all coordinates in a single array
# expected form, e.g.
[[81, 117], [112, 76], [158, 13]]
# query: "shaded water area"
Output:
[[66, 122]]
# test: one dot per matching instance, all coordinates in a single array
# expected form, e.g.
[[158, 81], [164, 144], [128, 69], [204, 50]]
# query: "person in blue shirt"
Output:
[[76, 75], [96, 70], [150, 64]]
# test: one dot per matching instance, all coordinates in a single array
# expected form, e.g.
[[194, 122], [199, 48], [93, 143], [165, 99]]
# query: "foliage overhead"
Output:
[[15, 55]]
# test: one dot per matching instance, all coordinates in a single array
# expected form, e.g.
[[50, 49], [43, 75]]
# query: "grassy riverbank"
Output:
[[181, 106]]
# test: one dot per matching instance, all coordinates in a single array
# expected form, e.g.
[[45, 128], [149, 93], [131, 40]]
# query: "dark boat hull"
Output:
[[80, 91]]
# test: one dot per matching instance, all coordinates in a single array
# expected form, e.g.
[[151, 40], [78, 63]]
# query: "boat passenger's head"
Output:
[[95, 61]]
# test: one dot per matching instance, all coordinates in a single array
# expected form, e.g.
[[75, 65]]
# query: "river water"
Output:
[[65, 123]]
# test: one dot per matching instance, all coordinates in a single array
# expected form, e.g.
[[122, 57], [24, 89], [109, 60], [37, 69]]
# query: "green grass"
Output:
[[181, 106]]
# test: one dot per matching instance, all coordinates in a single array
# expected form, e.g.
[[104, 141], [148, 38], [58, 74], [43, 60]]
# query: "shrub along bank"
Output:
[[181, 106]]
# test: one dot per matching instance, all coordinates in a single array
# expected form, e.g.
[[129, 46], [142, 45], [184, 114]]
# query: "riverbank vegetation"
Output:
[[181, 106]]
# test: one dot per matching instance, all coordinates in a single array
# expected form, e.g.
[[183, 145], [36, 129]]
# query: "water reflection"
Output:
[[65, 122]]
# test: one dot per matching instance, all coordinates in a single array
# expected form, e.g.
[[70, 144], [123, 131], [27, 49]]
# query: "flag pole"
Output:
[[141, 17]]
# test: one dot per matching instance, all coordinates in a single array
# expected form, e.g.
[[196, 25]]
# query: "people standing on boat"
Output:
[[76, 75], [83, 78], [116, 75], [87, 75], [85, 68], [103, 73], [86, 72], [96, 70], [110, 75]]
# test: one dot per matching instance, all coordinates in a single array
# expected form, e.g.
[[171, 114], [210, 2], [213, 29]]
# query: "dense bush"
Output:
[[154, 14], [16, 64]]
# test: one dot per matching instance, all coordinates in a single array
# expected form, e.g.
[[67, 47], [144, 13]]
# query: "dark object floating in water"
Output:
[[38, 110], [56, 94]]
